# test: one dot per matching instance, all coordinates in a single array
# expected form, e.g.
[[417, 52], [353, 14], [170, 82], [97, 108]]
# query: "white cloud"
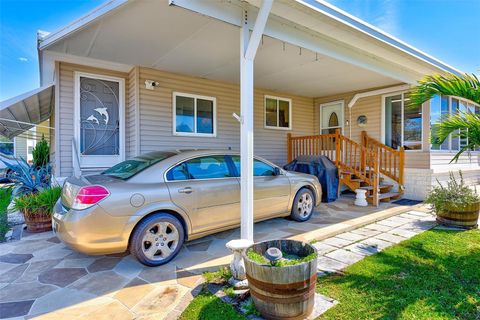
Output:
[[23, 59], [387, 19]]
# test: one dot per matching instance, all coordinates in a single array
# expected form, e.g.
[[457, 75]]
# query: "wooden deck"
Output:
[[365, 164]]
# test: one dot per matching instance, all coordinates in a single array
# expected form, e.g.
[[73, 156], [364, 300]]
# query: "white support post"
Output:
[[246, 134], [248, 49]]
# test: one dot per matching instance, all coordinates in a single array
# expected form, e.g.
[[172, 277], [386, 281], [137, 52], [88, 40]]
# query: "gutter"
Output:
[[339, 15]]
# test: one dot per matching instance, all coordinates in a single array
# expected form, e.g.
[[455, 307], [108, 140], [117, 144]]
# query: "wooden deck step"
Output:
[[382, 187], [385, 197]]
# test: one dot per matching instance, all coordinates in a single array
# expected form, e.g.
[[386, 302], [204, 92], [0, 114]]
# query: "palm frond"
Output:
[[466, 86], [465, 125]]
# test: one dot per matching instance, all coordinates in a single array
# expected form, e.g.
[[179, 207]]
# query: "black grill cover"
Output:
[[321, 167]]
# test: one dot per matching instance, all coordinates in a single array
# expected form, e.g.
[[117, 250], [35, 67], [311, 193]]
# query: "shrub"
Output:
[[5, 197], [38, 203], [456, 194], [28, 178], [41, 154]]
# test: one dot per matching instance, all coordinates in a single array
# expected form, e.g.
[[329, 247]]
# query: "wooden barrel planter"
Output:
[[466, 217], [38, 221], [286, 292]]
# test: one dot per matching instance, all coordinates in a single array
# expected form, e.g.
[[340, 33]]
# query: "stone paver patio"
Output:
[[43, 279]]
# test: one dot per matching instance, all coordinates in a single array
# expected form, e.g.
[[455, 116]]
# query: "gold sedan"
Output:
[[151, 204]]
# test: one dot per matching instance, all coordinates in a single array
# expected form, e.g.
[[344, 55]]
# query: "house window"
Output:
[[194, 115], [278, 113], [99, 120], [441, 107], [7, 146], [403, 123]]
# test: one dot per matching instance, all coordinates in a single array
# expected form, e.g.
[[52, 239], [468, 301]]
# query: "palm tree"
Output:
[[465, 125]]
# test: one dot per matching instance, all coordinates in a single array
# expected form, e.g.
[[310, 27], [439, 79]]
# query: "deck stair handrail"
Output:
[[391, 161], [349, 156]]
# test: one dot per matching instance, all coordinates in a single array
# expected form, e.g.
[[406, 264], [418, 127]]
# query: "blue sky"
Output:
[[446, 29]]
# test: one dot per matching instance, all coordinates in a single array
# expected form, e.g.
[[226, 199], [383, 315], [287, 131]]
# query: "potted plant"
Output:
[[455, 204], [37, 208], [282, 275]]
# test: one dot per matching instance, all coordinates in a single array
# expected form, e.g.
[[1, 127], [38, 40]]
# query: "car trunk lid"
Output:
[[72, 186]]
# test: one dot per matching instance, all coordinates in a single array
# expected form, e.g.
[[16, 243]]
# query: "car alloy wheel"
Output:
[[157, 239], [160, 241], [305, 205]]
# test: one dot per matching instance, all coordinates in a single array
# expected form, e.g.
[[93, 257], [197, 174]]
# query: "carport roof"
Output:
[[23, 112]]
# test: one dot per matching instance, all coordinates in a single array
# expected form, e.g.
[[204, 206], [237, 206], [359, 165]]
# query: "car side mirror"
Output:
[[276, 171]]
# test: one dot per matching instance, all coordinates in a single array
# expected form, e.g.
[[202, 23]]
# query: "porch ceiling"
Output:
[[154, 34]]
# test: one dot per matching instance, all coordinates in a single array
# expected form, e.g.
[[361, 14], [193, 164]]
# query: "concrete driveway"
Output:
[[42, 278]]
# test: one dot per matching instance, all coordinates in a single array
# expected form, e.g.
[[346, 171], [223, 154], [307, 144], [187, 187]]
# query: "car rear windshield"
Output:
[[128, 168]]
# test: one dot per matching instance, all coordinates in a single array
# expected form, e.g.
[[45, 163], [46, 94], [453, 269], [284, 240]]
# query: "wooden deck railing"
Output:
[[391, 161], [367, 160]]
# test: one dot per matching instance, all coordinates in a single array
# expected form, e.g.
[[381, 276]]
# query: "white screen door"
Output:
[[331, 117]]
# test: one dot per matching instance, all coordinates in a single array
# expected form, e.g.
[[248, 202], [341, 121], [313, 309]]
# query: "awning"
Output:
[[23, 112]]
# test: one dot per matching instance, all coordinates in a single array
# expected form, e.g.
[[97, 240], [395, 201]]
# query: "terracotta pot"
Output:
[[38, 221], [466, 217]]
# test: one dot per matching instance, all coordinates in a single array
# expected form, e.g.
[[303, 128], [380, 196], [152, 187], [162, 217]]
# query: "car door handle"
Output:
[[187, 190]]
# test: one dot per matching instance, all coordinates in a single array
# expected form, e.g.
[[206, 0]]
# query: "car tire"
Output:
[[157, 239], [303, 205]]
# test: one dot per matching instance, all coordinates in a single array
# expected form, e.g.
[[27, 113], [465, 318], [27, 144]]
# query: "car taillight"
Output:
[[88, 196]]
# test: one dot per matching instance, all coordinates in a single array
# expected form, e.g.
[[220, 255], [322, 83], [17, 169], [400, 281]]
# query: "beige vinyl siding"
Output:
[[156, 116], [131, 114], [66, 110]]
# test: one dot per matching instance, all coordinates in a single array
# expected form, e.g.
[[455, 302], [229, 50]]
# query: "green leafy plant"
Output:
[[287, 260], [249, 308], [456, 194], [5, 197], [466, 86], [27, 178], [38, 203], [41, 153], [220, 276], [465, 125]]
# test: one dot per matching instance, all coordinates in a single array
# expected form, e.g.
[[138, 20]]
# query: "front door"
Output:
[[331, 117]]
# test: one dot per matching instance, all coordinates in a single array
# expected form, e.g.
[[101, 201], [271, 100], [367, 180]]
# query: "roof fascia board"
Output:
[[96, 63], [364, 27], [231, 12], [80, 23]]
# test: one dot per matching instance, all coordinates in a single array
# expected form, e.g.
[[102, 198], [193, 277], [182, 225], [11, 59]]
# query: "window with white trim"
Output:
[[440, 108], [403, 123], [278, 113], [194, 115]]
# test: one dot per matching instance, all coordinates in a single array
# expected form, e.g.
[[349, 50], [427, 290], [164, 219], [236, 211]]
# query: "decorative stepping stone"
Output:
[[345, 256], [103, 264], [61, 277], [16, 258], [15, 309]]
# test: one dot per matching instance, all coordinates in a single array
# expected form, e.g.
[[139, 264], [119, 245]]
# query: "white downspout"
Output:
[[358, 96], [248, 50]]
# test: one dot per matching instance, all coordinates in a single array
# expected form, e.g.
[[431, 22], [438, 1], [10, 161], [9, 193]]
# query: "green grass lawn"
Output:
[[435, 275], [206, 306], [5, 195]]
